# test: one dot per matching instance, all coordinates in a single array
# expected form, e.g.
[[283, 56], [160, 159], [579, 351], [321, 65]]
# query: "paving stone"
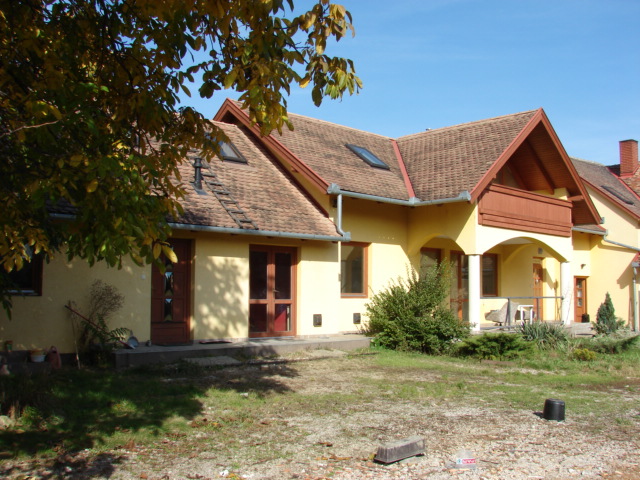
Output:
[[400, 449]]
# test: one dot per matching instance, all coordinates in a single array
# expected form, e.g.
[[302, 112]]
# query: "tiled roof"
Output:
[[632, 180], [444, 162], [609, 185], [322, 146], [262, 189]]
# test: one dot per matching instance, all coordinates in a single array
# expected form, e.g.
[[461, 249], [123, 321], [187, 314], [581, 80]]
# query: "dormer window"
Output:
[[229, 153], [367, 156]]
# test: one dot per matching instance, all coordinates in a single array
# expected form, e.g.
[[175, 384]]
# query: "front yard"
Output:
[[322, 415]]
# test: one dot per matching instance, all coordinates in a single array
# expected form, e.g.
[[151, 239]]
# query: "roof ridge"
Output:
[[475, 122]]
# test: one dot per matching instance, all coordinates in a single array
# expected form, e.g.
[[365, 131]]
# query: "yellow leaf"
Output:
[[304, 82], [75, 160], [170, 254], [157, 250], [93, 186]]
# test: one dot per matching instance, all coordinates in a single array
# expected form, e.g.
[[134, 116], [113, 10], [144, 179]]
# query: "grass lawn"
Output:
[[266, 407]]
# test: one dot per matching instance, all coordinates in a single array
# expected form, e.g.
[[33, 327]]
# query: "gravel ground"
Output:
[[509, 444]]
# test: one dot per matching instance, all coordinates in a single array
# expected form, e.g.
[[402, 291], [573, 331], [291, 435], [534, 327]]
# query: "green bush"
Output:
[[494, 346], [547, 336], [413, 314], [611, 344], [584, 355], [606, 321]]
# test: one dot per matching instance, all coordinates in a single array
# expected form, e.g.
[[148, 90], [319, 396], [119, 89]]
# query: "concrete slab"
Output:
[[244, 348], [216, 361]]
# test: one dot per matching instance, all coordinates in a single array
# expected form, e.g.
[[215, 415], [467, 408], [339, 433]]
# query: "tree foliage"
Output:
[[90, 123]]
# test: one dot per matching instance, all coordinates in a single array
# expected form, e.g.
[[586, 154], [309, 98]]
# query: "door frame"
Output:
[[173, 333], [577, 317], [538, 302], [271, 301]]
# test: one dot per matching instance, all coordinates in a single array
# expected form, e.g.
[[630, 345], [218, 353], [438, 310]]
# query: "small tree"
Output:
[[606, 320], [95, 337], [413, 313]]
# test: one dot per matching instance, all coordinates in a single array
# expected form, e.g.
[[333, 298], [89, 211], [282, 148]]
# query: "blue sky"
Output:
[[436, 63]]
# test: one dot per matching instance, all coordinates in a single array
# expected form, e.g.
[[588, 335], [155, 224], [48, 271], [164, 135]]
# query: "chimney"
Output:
[[197, 166], [628, 156]]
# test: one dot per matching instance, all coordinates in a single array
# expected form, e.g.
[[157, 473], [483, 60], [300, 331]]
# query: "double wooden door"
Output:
[[271, 291]]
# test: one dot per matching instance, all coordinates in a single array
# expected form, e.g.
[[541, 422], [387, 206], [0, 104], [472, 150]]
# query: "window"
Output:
[[27, 280], [353, 268], [367, 156], [490, 275], [229, 153]]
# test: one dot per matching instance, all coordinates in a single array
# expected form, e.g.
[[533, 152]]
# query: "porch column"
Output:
[[474, 292], [566, 290]]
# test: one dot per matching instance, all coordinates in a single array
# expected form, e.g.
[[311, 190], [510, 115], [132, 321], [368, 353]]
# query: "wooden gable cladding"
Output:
[[515, 209]]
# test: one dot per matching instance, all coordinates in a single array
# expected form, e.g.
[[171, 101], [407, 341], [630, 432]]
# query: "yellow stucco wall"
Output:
[[40, 322], [608, 267]]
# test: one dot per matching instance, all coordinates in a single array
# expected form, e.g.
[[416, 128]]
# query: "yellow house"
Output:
[[609, 261], [290, 235]]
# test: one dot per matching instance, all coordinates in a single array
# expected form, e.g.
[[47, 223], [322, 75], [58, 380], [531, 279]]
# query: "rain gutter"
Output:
[[344, 236], [334, 189], [586, 230]]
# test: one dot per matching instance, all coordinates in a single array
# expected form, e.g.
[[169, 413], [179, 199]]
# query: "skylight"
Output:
[[230, 153], [618, 195], [367, 156]]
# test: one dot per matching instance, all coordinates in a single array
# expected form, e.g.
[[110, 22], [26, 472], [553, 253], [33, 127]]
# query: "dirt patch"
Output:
[[323, 418]]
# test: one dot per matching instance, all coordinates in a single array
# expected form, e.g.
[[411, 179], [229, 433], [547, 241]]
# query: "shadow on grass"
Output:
[[73, 410]]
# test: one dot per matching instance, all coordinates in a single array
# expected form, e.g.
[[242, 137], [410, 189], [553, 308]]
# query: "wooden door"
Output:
[[171, 297], [460, 284], [580, 296], [271, 291], [538, 291]]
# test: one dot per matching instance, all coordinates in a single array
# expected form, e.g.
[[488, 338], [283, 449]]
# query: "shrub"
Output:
[[546, 336], [611, 344], [494, 346], [95, 337], [413, 314], [606, 320], [584, 355]]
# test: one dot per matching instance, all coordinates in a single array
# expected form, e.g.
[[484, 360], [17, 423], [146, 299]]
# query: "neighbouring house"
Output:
[[611, 265], [291, 235]]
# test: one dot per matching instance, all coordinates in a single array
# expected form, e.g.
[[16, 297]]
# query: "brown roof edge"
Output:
[[538, 117], [610, 197], [229, 107], [403, 169], [484, 182]]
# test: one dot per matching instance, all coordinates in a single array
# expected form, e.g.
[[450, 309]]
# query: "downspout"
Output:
[[339, 217], [636, 326], [634, 265]]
